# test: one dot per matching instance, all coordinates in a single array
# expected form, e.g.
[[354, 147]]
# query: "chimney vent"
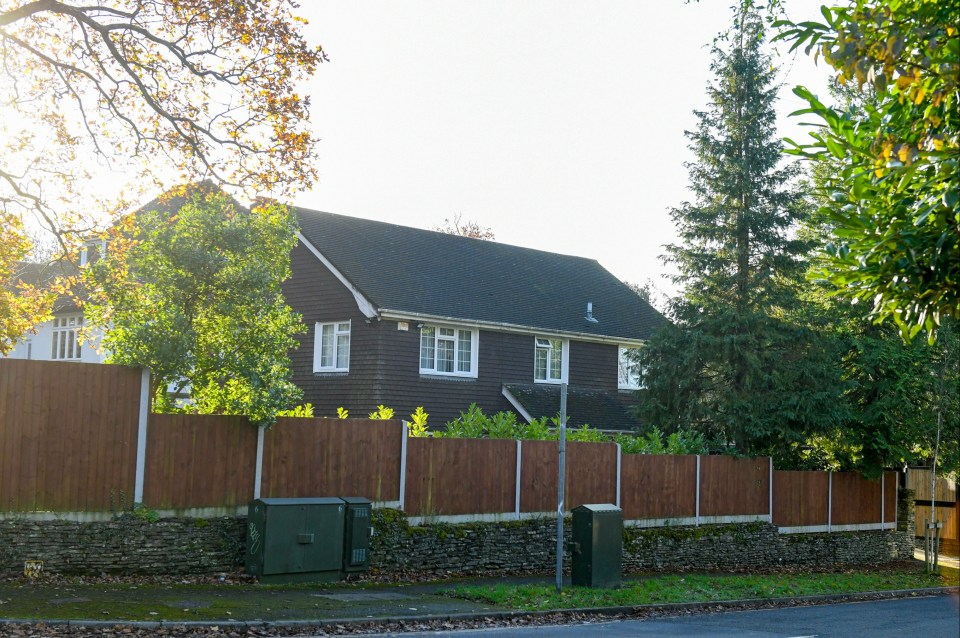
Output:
[[590, 316]]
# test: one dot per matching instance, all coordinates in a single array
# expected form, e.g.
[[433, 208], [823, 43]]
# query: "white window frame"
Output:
[[338, 331], [65, 344], [633, 381], [458, 333], [549, 344], [85, 256]]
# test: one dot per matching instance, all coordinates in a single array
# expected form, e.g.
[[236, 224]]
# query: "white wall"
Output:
[[39, 346]]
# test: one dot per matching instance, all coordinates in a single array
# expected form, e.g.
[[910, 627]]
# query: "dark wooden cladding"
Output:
[[800, 498], [856, 500], [460, 476], [734, 487], [332, 457], [68, 435], [658, 486], [199, 460]]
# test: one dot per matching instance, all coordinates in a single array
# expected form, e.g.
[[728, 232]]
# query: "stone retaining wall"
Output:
[[180, 546], [124, 546], [531, 546]]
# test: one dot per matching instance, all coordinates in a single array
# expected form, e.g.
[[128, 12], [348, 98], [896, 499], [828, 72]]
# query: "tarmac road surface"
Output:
[[929, 616]]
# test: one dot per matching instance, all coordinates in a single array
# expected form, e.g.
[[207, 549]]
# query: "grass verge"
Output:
[[703, 587]]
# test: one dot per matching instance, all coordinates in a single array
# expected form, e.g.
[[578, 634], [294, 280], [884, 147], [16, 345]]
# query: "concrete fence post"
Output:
[[403, 464], [258, 468], [829, 502], [142, 418], [619, 474], [770, 459], [697, 513], [517, 480]]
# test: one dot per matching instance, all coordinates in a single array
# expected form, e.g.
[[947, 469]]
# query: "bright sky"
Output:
[[558, 124]]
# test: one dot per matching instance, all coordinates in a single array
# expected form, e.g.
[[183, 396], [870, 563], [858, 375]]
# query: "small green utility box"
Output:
[[356, 538], [597, 545], [295, 539]]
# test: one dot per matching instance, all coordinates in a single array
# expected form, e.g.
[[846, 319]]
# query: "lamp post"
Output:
[[560, 481]]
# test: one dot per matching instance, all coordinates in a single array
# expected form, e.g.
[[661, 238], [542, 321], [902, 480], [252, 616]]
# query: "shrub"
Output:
[[417, 426], [382, 413], [305, 410]]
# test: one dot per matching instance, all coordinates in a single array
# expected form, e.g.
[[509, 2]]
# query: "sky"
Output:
[[557, 124]]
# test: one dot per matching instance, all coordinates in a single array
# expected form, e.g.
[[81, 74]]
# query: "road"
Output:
[[931, 617]]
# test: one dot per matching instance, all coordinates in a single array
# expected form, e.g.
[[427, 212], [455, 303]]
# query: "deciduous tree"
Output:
[[894, 207], [468, 228], [153, 88], [895, 394], [21, 304], [195, 296]]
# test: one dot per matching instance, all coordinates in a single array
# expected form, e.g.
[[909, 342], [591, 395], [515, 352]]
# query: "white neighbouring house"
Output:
[[57, 339]]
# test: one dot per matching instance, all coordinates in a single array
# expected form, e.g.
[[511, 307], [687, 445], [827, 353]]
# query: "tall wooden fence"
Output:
[[944, 497], [68, 435], [76, 437]]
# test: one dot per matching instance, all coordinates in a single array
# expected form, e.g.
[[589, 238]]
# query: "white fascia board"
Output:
[[401, 315], [366, 307]]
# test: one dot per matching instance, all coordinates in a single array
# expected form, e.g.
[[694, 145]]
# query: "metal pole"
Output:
[[560, 480]]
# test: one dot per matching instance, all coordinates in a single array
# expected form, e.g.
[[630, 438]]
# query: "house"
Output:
[[59, 338], [405, 317]]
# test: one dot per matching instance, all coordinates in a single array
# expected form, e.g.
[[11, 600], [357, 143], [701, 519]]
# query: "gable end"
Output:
[[364, 304]]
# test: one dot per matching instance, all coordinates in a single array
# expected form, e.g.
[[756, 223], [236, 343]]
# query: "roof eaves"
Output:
[[516, 404], [404, 315], [366, 306]]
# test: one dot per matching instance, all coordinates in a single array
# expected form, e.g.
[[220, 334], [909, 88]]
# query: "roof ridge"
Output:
[[440, 233]]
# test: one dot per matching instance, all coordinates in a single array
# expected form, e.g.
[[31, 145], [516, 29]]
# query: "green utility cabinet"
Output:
[[597, 545], [295, 539], [356, 538]]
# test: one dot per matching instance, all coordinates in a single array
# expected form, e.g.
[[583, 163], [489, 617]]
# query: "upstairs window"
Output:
[[550, 360], [332, 347], [66, 338], [628, 374], [448, 351], [92, 251]]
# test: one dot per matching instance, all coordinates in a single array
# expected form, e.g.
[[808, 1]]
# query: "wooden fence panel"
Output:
[[460, 476], [591, 475], [856, 500], [801, 499], [734, 487], [918, 480], [199, 460], [68, 435], [539, 463], [332, 457], [946, 514], [658, 486]]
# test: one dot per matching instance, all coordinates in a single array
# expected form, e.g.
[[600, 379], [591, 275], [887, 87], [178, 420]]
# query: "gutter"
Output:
[[497, 326]]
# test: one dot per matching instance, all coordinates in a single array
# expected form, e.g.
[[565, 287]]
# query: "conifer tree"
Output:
[[736, 365]]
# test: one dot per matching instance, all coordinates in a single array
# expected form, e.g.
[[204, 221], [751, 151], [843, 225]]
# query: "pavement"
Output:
[[946, 561], [73, 603]]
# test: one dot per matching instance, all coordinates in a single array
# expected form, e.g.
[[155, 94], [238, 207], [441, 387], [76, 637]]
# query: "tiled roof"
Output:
[[600, 409], [43, 274], [427, 272]]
